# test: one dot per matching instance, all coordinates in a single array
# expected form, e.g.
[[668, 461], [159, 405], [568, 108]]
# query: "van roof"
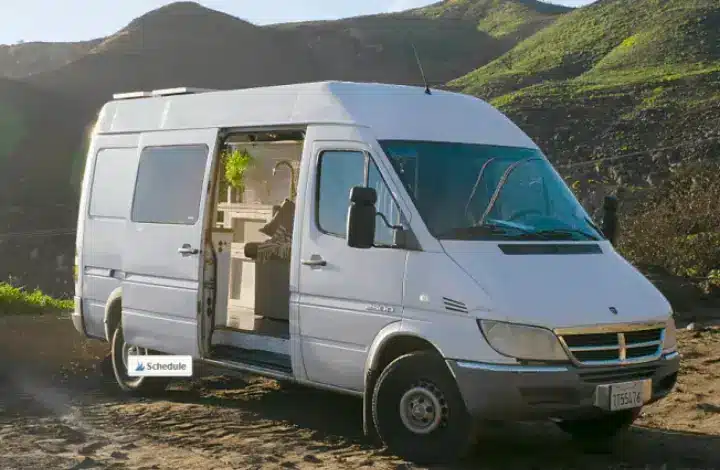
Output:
[[391, 111]]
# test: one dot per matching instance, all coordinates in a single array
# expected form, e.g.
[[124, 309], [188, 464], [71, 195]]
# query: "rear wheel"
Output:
[[603, 428], [419, 412], [120, 351]]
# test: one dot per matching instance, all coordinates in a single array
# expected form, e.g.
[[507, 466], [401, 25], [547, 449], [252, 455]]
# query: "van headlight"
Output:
[[522, 342], [670, 343]]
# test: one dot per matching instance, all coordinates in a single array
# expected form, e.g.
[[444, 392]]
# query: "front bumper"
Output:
[[520, 393]]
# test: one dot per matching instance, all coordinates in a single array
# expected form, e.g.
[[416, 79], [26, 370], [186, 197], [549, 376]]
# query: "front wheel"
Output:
[[419, 412], [119, 352], [603, 428]]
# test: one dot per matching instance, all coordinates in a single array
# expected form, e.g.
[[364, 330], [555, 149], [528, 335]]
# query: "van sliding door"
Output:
[[162, 255]]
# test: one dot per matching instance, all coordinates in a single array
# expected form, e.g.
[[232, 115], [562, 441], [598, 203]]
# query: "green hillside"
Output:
[[499, 18], [616, 78], [24, 59], [609, 42]]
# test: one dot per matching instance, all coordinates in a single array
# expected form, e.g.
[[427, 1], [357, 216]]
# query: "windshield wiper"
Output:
[[592, 223], [560, 232], [477, 183], [501, 183], [464, 233]]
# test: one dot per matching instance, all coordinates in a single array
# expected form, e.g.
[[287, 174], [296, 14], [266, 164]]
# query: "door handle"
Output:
[[187, 250], [314, 262]]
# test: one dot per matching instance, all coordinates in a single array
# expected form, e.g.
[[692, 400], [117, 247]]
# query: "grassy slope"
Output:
[[193, 45], [21, 60], [613, 78], [499, 18], [17, 301], [185, 44], [610, 42]]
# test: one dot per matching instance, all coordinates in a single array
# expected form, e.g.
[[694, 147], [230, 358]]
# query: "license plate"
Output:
[[628, 395]]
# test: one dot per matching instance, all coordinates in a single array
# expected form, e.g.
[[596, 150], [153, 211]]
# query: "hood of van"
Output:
[[568, 288]]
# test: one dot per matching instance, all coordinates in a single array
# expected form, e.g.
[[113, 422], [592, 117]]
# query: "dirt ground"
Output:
[[60, 409]]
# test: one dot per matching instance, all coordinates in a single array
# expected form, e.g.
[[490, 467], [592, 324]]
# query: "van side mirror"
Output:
[[610, 218], [361, 217]]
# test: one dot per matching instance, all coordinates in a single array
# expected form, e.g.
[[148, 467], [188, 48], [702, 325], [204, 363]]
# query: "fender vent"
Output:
[[454, 305]]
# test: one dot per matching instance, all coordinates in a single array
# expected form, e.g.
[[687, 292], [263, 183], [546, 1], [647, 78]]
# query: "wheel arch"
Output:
[[390, 343], [113, 312]]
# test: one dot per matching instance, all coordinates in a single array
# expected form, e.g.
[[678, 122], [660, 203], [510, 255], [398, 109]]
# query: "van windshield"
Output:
[[487, 192]]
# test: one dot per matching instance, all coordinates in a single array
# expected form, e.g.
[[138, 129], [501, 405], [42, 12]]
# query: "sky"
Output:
[[76, 20]]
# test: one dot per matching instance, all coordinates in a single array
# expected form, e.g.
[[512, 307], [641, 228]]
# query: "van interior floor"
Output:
[[264, 359], [264, 342], [258, 325], [265, 326]]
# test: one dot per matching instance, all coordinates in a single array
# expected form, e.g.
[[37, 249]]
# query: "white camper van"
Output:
[[414, 249]]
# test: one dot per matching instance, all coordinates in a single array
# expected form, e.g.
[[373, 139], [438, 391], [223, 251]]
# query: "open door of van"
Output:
[[162, 256]]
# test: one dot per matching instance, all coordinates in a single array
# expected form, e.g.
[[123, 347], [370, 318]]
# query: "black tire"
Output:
[[133, 385], [417, 378], [603, 428]]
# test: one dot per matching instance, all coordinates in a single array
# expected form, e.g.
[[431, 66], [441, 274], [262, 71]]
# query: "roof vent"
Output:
[[132, 95], [163, 92], [180, 91]]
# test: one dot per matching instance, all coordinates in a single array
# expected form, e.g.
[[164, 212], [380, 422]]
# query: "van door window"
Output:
[[386, 205], [339, 172], [169, 184]]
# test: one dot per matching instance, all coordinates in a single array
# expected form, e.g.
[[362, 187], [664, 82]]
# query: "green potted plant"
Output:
[[236, 163]]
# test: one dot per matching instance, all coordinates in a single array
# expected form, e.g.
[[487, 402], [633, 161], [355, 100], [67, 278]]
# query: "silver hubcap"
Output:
[[423, 408], [129, 350]]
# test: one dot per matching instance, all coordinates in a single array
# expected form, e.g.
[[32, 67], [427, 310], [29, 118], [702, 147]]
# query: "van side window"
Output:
[[339, 171], [386, 205], [112, 183], [169, 184]]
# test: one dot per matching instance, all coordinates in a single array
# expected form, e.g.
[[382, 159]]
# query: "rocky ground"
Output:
[[59, 409]]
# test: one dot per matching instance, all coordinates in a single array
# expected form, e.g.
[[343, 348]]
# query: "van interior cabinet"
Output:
[[243, 221], [253, 291], [272, 289], [222, 242]]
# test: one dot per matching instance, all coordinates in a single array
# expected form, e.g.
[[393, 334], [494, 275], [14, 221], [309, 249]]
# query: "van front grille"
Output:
[[616, 347], [622, 374]]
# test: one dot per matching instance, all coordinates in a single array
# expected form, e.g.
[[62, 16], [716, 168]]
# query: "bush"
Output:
[[677, 227], [16, 300]]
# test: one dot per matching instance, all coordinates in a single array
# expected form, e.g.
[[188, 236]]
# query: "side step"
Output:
[[257, 358]]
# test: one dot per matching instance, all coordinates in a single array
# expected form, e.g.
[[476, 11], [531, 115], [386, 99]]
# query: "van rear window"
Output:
[[169, 184], [112, 183]]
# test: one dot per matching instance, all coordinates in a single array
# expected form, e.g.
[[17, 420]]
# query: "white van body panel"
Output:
[[559, 290], [439, 311], [101, 234], [390, 111], [344, 304], [161, 286]]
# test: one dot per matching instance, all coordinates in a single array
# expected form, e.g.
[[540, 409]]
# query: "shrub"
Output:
[[677, 226], [16, 300]]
